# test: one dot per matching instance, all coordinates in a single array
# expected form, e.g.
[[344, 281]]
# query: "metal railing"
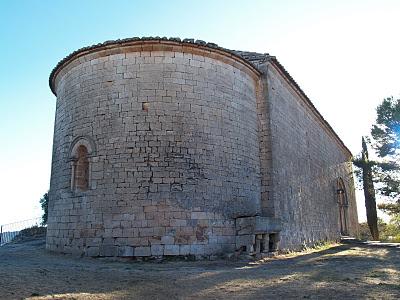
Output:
[[9, 231]]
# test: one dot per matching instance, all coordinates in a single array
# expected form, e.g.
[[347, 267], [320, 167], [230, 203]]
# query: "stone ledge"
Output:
[[268, 225], [257, 225]]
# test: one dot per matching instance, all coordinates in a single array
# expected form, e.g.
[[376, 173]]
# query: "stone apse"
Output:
[[181, 147]]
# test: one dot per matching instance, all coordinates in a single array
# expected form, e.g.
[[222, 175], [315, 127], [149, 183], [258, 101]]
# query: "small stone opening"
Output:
[[81, 176], [273, 242]]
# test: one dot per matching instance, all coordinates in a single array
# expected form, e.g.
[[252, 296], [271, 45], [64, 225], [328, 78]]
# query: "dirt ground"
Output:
[[347, 271]]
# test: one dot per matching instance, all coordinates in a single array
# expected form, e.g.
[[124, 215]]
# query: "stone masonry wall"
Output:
[[264, 132], [306, 163], [176, 153]]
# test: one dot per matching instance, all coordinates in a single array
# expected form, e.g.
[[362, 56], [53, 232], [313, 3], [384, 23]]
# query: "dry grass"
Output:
[[350, 271]]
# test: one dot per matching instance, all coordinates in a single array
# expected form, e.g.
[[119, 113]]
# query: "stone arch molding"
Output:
[[90, 150], [82, 141]]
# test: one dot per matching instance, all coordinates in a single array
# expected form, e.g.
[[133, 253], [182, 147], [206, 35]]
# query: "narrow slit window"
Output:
[[81, 176]]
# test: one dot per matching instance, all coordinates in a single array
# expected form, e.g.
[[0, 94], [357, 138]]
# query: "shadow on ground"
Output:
[[348, 271]]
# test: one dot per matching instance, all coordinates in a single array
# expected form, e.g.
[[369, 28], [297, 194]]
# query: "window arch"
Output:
[[81, 152]]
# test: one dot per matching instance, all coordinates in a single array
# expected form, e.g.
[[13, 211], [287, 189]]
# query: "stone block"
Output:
[[171, 250], [268, 225], [142, 251], [157, 250], [125, 251], [226, 239], [198, 215], [212, 248], [228, 248], [245, 240], [167, 240], [93, 251], [184, 249], [178, 222], [245, 225], [197, 249], [108, 250]]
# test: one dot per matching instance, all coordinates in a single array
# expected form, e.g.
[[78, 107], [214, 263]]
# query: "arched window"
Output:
[[343, 206], [81, 152], [81, 176]]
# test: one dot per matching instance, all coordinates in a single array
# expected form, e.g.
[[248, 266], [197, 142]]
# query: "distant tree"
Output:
[[386, 142], [388, 232], [44, 203], [366, 176]]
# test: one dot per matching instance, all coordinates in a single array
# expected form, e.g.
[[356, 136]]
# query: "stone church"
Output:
[[181, 147]]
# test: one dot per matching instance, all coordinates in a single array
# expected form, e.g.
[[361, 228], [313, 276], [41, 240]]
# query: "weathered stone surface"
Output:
[[244, 240], [267, 225], [245, 225], [108, 250], [125, 251], [307, 161], [167, 240], [184, 249], [187, 149], [157, 250], [197, 249], [171, 250], [142, 251], [92, 251]]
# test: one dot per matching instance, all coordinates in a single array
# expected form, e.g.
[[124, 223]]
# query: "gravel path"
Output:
[[349, 271]]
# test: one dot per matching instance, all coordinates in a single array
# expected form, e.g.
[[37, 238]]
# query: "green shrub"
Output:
[[388, 232], [44, 203]]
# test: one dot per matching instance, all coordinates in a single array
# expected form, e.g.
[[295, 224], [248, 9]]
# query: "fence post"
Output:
[[1, 234]]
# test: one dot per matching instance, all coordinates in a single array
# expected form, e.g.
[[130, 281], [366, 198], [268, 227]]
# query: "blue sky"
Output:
[[344, 54]]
